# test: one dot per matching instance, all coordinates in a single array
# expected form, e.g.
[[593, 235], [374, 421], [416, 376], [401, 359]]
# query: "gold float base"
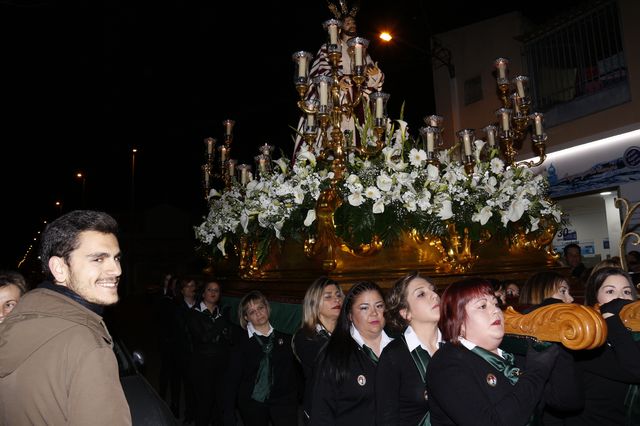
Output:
[[287, 271]]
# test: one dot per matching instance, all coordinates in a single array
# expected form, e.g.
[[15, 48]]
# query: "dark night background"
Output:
[[83, 85]]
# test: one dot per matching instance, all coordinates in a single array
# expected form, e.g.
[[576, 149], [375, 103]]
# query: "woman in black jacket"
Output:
[[611, 373], [471, 381], [320, 310], [209, 330], [344, 384], [413, 310], [263, 379]]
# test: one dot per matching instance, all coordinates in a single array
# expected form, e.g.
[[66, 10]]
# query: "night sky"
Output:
[[83, 85]]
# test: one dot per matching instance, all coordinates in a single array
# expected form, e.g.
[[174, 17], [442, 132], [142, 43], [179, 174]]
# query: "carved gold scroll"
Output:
[[574, 326]]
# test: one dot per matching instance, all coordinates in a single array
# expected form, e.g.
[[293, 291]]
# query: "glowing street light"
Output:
[[385, 36]]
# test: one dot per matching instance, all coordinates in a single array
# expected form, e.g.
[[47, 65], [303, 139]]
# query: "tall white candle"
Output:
[[223, 154], [516, 105], [502, 69], [466, 139], [430, 142], [232, 167], [358, 54], [310, 120], [323, 93], [333, 34], [263, 165], [209, 146], [520, 87], [505, 121], [491, 138], [538, 124], [227, 126], [302, 66], [379, 107], [244, 176]]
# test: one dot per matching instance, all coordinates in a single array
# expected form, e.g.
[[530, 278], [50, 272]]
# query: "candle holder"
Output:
[[465, 140], [502, 78], [208, 169], [428, 135], [490, 131], [357, 50], [521, 83], [302, 60], [332, 27], [244, 174], [266, 150], [228, 131], [231, 170], [206, 179], [436, 121], [263, 164]]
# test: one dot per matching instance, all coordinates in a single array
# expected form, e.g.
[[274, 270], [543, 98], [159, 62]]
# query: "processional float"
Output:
[[390, 204]]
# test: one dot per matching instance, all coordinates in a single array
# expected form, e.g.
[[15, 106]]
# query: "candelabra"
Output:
[[515, 120], [225, 166], [325, 110], [514, 124]]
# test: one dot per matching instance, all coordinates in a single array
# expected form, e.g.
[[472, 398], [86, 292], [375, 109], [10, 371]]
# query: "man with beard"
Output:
[[57, 364]]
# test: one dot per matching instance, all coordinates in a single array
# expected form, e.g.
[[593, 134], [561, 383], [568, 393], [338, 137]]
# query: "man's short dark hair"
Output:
[[60, 237], [570, 246]]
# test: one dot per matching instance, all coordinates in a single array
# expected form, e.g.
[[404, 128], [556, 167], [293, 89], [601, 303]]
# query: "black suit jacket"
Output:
[[307, 349], [350, 403], [246, 355], [464, 389], [400, 390]]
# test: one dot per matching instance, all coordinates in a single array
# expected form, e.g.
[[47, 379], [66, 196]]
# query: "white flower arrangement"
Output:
[[268, 207], [397, 190]]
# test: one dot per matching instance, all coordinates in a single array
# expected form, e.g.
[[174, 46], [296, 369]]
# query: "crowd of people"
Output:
[[409, 356]]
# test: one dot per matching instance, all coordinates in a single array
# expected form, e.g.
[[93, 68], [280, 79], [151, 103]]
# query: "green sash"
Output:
[[506, 365], [264, 378]]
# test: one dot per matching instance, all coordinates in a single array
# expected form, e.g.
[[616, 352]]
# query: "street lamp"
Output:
[[83, 178], [133, 177]]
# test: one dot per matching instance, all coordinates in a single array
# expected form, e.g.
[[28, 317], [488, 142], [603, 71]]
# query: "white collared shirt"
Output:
[[320, 327], [413, 341], [252, 330], [216, 311], [384, 341], [470, 345]]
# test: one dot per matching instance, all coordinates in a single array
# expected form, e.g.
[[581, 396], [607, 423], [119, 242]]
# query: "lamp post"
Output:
[[83, 179], [133, 181], [132, 233]]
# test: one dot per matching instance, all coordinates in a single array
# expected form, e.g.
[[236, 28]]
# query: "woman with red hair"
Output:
[[471, 381]]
